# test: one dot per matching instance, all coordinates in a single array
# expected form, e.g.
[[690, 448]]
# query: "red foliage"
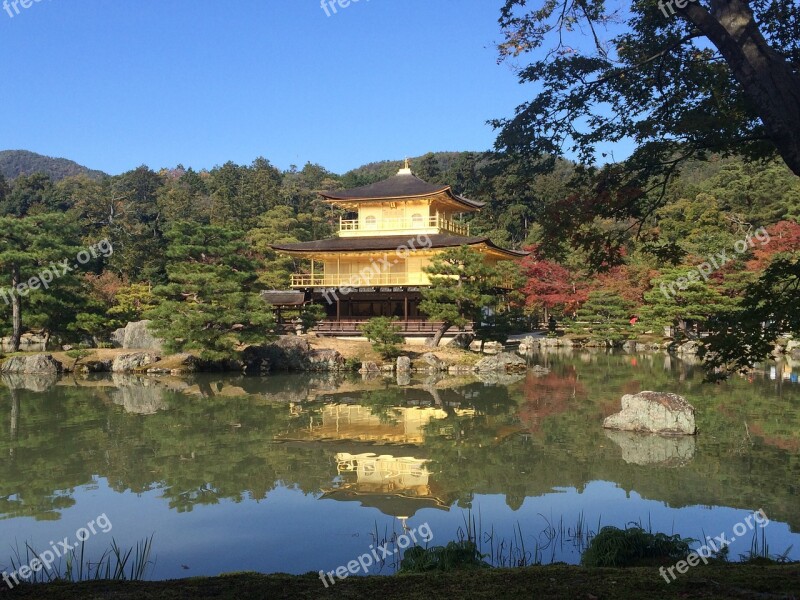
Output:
[[550, 285], [784, 236], [105, 286], [547, 396], [624, 282]]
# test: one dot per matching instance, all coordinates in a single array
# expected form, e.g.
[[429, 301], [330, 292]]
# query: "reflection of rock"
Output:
[[403, 378], [136, 336], [34, 383], [654, 412], [137, 395], [29, 342], [505, 361], [653, 449], [35, 363], [132, 362], [499, 378]]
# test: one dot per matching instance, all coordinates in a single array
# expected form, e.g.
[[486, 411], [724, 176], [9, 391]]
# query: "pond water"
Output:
[[305, 473]]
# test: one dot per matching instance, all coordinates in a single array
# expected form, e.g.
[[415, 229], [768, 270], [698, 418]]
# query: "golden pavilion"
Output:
[[388, 234]]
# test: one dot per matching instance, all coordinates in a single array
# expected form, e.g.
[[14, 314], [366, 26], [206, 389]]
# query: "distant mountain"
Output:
[[14, 163]]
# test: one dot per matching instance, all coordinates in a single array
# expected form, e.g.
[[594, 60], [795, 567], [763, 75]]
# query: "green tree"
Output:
[[732, 85], [241, 194], [606, 316], [37, 255], [384, 335], [211, 302], [131, 220], [462, 287], [680, 296], [746, 332], [279, 225], [29, 193]]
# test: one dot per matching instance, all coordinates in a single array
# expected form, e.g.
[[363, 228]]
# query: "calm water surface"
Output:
[[300, 473]]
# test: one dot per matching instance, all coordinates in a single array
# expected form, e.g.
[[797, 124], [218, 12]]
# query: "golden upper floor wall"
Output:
[[408, 217]]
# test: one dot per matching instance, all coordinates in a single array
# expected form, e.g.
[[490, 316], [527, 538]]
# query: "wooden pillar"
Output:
[[338, 309], [405, 307]]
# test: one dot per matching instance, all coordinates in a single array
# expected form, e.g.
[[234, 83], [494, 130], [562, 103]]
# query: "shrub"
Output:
[[614, 547], [384, 335], [455, 556]]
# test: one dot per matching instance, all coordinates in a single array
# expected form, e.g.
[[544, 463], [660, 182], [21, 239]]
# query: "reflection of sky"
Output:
[[296, 533]]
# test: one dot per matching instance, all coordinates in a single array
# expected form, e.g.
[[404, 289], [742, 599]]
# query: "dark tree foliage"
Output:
[[747, 334]]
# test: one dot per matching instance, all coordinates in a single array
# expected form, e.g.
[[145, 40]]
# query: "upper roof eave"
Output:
[[398, 187]]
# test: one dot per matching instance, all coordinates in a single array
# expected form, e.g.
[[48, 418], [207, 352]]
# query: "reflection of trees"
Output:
[[567, 450], [221, 439], [548, 395]]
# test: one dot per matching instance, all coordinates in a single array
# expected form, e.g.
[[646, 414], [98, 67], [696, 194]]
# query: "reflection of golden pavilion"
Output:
[[385, 473], [402, 425], [396, 485]]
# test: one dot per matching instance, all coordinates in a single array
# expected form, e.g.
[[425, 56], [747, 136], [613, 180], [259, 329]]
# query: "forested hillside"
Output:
[[14, 163], [179, 224]]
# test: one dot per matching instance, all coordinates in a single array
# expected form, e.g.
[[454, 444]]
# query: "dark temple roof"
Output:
[[283, 297], [398, 186], [391, 242]]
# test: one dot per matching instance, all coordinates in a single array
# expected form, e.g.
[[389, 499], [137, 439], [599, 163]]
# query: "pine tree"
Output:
[[606, 316], [462, 287], [38, 280], [211, 302]]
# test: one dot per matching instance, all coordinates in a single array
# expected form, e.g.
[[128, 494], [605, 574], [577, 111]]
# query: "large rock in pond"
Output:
[[125, 363], [504, 362], [403, 364], [32, 364], [654, 412], [136, 336]]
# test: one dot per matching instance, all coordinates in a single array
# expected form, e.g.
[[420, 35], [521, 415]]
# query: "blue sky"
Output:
[[117, 84]]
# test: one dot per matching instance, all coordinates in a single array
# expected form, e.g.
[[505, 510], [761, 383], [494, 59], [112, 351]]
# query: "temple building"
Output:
[[388, 234]]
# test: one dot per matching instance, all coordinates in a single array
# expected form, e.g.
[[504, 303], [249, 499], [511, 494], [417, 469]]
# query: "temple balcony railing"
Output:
[[398, 226], [355, 280]]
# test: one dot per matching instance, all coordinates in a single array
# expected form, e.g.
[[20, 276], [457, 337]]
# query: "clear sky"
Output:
[[116, 84]]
